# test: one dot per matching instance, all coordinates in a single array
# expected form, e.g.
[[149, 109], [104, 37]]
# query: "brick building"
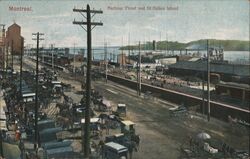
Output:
[[14, 38], [2, 39]]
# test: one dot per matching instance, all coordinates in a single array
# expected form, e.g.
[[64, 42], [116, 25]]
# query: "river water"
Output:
[[240, 57]]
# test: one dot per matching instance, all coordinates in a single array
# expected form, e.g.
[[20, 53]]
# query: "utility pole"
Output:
[[129, 48], [106, 61], [83, 62], [52, 56], [139, 71], [144, 48], [89, 25], [208, 82], [37, 141], [1, 144], [74, 60], [166, 43], [12, 56], [203, 94], [21, 66], [7, 57], [160, 38], [110, 56], [122, 54], [43, 52]]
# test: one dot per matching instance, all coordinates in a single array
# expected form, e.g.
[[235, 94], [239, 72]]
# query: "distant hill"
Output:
[[227, 45]]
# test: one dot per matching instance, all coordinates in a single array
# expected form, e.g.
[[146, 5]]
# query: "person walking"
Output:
[[22, 149], [101, 145]]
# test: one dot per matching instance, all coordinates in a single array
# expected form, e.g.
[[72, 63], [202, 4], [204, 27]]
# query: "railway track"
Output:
[[174, 96]]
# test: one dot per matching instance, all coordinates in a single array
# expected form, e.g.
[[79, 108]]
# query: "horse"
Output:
[[136, 139], [131, 145], [64, 122], [63, 106]]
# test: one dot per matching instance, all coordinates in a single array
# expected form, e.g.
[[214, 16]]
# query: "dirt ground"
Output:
[[161, 134]]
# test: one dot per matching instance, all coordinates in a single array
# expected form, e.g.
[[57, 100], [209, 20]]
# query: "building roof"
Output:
[[121, 105], [49, 131], [61, 151], [45, 124], [92, 120], [116, 146], [56, 144], [14, 25], [29, 95], [127, 122], [225, 68], [56, 82], [118, 135], [194, 59], [234, 85]]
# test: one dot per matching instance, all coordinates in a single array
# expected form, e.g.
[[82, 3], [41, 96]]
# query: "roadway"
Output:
[[162, 135]]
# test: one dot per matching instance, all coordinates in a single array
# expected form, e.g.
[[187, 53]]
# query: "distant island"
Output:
[[227, 45]]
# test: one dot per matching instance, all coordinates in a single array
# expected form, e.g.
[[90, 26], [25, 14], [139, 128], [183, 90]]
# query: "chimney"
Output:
[[154, 45]]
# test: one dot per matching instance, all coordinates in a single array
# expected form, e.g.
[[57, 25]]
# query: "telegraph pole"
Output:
[[52, 57], [37, 142], [139, 71], [106, 61], [83, 61], [208, 82], [21, 66], [12, 52], [203, 94], [7, 57], [129, 48], [122, 54], [74, 60], [1, 144], [166, 43], [89, 25], [43, 52]]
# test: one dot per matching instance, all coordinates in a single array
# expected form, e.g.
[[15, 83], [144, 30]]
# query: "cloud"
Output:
[[189, 23], [229, 33], [69, 41], [46, 17]]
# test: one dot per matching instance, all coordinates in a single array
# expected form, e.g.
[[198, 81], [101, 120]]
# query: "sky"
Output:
[[179, 20]]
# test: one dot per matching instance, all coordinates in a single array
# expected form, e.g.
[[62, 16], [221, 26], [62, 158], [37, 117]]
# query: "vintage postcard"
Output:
[[124, 79]]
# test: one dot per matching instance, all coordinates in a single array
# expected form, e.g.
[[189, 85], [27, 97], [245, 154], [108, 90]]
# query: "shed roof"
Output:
[[201, 65], [92, 120], [55, 82], [127, 122], [234, 85], [29, 94], [61, 150], [121, 105], [115, 146]]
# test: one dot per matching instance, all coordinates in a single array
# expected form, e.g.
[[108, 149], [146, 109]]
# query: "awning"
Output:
[[92, 120], [127, 122]]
